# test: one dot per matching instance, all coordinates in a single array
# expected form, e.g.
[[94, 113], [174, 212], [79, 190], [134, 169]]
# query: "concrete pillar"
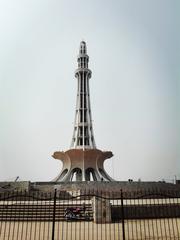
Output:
[[101, 210], [78, 176]]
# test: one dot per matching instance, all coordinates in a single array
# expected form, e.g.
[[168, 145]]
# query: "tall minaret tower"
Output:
[[83, 137], [83, 161]]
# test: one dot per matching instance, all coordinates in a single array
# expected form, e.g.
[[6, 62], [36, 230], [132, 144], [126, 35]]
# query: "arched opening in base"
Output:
[[76, 175], [90, 174]]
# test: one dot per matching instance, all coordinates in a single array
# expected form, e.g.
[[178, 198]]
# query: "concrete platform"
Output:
[[90, 187]]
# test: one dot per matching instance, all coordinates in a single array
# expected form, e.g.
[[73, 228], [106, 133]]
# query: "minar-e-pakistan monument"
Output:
[[83, 161]]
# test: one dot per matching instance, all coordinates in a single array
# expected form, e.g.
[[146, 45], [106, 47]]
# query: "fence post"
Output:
[[122, 215], [54, 214]]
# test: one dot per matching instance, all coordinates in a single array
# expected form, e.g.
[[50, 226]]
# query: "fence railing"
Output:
[[90, 215]]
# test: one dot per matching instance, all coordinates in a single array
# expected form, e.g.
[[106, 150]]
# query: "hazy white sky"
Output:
[[134, 48]]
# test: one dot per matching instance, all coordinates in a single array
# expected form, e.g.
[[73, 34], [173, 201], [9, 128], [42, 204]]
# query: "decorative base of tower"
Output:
[[83, 165]]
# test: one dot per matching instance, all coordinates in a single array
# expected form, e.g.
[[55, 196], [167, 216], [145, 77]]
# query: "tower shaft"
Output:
[[83, 137], [83, 162]]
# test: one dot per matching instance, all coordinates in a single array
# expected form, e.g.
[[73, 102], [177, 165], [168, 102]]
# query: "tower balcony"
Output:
[[87, 70], [82, 124], [83, 55], [85, 135]]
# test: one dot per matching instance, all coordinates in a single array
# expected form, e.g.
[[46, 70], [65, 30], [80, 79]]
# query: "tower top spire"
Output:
[[83, 48]]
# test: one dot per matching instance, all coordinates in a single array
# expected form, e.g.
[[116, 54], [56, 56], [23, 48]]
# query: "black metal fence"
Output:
[[90, 215]]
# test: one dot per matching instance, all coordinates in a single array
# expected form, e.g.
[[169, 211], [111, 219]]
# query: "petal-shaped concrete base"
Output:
[[83, 165]]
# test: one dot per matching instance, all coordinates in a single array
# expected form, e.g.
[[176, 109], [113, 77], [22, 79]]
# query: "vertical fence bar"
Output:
[[63, 214], [170, 211], [95, 217], [45, 214], [49, 195], [152, 216], [31, 216], [140, 220], [118, 222], [167, 222], [58, 207], [107, 196], [1, 212], [130, 215], [87, 211], [67, 203], [6, 213], [54, 214], [23, 210], [27, 202], [128, 221], [155, 215], [36, 214], [110, 230], [10, 216], [161, 202], [176, 212], [136, 213], [92, 204], [122, 216], [160, 219], [71, 201], [18, 213], [41, 212], [102, 214], [14, 213]]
